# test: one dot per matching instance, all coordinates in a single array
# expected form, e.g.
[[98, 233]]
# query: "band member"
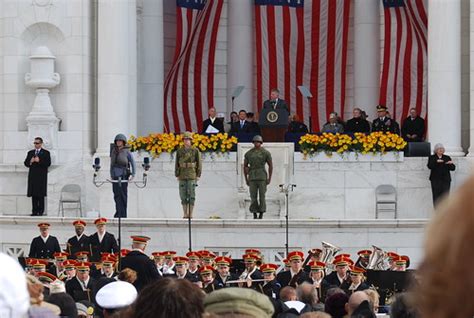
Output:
[[392, 256], [45, 245], [251, 271], [38, 266], [275, 102], [37, 160], [69, 269], [181, 267], [207, 279], [82, 287], [401, 263], [108, 267], [364, 257], [57, 269], [159, 260], [168, 266], [80, 241], [256, 176], [102, 241], [188, 169], [207, 258], [356, 283], [82, 256], [314, 256], [193, 269], [296, 275], [223, 271], [287, 265], [270, 287], [317, 279], [336, 278]]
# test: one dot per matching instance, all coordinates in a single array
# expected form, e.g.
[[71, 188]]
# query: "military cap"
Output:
[[223, 260], [116, 295], [140, 239], [381, 108], [295, 255], [46, 278], [342, 255], [257, 138], [157, 255], [242, 301], [392, 255], [317, 266], [364, 253], [188, 135], [206, 270], [343, 261], [193, 255], [401, 260], [286, 262], [180, 260], [82, 266], [69, 264], [407, 260], [169, 254], [268, 268], [316, 251], [357, 270], [249, 258], [81, 255], [39, 263], [108, 261], [253, 251], [207, 255], [100, 221], [124, 252], [43, 225], [79, 223], [61, 256]]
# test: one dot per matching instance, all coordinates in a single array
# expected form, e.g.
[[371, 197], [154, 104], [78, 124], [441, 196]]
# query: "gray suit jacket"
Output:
[[337, 128]]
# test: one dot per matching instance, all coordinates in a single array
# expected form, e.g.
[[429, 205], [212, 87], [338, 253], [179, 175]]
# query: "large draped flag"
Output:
[[189, 85], [405, 60], [303, 43]]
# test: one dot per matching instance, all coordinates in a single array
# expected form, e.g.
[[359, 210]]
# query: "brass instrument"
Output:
[[378, 259], [328, 254]]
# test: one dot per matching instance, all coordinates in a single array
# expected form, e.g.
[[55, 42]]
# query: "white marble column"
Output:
[[444, 75], [116, 30], [471, 89], [366, 53], [151, 68], [240, 63]]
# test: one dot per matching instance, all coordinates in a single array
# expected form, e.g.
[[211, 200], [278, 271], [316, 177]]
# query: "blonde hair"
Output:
[[443, 277]]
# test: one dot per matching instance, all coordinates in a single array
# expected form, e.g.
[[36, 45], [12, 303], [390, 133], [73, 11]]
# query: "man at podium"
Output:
[[275, 102]]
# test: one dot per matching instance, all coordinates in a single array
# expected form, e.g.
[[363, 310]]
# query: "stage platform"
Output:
[[232, 236]]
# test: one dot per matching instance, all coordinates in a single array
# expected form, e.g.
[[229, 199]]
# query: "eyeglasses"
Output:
[[37, 143]]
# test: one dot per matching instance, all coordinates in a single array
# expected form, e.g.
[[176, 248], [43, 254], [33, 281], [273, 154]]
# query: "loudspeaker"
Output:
[[418, 149]]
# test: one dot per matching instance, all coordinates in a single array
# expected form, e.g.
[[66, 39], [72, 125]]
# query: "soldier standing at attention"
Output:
[[188, 169], [256, 176]]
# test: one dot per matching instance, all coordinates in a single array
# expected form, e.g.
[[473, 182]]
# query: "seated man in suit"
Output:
[[357, 124], [253, 125], [213, 121], [296, 126], [413, 127], [275, 102], [240, 126], [333, 126]]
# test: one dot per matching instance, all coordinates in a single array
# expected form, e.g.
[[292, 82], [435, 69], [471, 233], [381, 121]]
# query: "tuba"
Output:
[[327, 255], [378, 259]]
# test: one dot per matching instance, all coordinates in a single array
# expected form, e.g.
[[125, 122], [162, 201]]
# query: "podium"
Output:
[[273, 124]]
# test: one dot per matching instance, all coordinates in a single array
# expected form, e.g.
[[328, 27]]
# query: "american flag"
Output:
[[303, 43], [189, 85], [405, 60]]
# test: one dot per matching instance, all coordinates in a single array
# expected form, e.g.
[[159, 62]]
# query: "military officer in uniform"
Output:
[[251, 271], [270, 287], [193, 266], [79, 242], [207, 283], [102, 241], [188, 168], [256, 176], [223, 274], [340, 275], [356, 282], [83, 286], [384, 123], [296, 275], [57, 269], [45, 245], [317, 279], [364, 257]]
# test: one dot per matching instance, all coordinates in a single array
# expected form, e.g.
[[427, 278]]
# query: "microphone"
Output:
[[146, 163], [96, 164]]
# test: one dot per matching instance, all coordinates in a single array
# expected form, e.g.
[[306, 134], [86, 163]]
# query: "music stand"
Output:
[[389, 282], [307, 94]]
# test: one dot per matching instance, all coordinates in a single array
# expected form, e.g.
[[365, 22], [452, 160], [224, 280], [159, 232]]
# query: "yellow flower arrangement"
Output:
[[376, 142], [156, 144]]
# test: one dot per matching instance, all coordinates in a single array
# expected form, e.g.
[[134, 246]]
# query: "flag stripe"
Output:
[[331, 30], [299, 58], [345, 38], [316, 11], [258, 49]]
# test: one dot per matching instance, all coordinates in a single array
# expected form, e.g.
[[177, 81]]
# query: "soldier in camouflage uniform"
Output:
[[188, 171], [256, 175]]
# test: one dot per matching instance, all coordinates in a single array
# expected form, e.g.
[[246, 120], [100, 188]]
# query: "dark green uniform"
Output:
[[257, 158], [187, 169]]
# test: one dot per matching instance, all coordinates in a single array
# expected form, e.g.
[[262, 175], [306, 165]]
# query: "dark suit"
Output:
[[280, 104], [332, 280], [143, 265], [218, 124], [256, 274], [193, 277], [74, 288], [297, 127], [271, 289], [108, 245], [321, 291], [345, 286], [386, 125], [357, 125], [413, 127], [74, 246], [285, 279], [40, 249], [440, 175], [254, 128], [38, 178], [236, 128], [220, 282]]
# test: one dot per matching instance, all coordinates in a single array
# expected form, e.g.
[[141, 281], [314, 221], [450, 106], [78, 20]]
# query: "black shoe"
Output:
[[255, 216], [260, 215], [34, 214]]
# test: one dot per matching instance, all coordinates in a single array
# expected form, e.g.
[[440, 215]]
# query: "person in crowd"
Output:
[[308, 295], [315, 314], [44, 246], [442, 279], [296, 275], [374, 299], [253, 125], [383, 122], [296, 126], [216, 123], [80, 241], [270, 287], [405, 306], [14, 296], [234, 117], [138, 261], [188, 168], [335, 304], [102, 241], [333, 126], [127, 275], [275, 102], [38, 160], [316, 278], [83, 286], [59, 297], [256, 176], [357, 281], [122, 168], [357, 124], [413, 127], [440, 176], [38, 306], [241, 125], [340, 275], [116, 297]]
